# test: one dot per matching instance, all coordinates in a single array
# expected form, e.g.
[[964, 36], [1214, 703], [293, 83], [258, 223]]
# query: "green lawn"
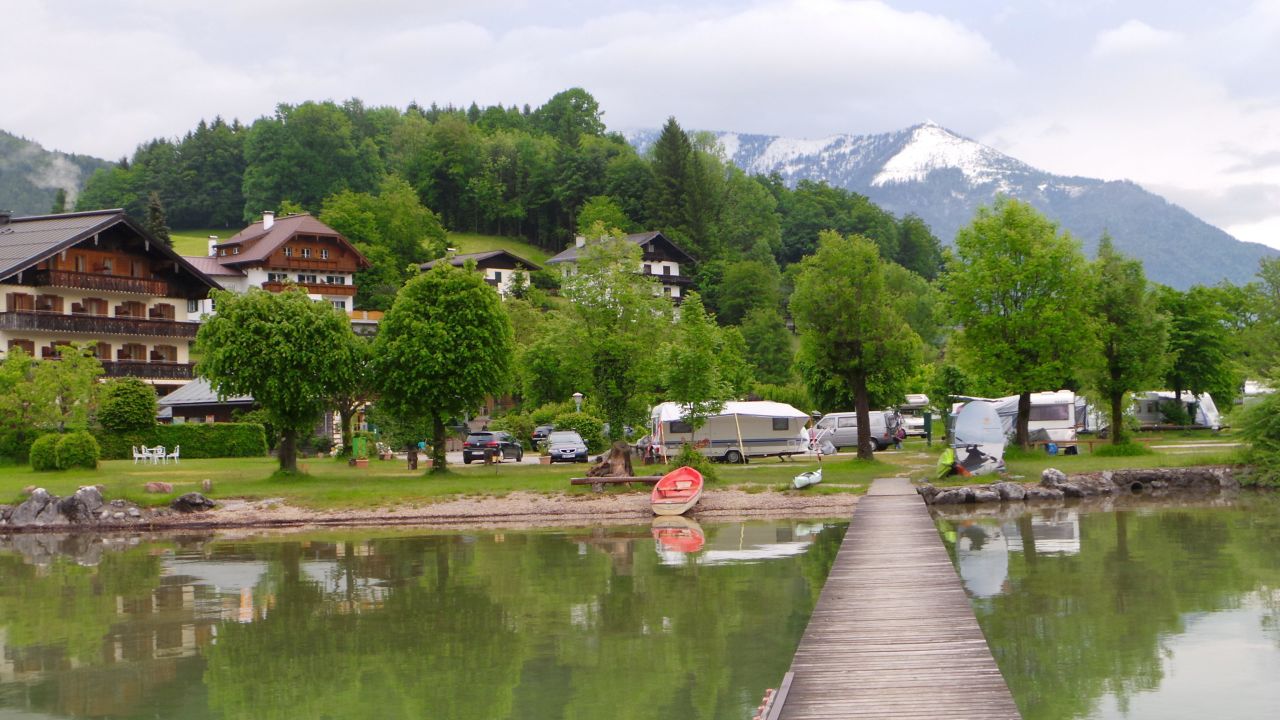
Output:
[[472, 243], [195, 242]]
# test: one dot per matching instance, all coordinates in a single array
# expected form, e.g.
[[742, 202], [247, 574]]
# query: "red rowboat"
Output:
[[676, 492]]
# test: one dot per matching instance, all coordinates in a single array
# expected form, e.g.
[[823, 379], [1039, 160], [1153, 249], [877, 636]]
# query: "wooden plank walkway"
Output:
[[893, 634]]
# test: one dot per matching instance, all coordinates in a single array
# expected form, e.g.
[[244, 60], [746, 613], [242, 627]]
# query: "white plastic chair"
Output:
[[157, 454], [139, 455], [174, 454]]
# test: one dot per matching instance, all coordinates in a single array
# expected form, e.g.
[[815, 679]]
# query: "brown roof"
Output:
[[211, 266], [26, 241], [571, 253], [481, 257], [256, 243]]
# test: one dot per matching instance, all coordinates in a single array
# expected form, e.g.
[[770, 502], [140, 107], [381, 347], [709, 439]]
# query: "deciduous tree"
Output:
[[284, 349]]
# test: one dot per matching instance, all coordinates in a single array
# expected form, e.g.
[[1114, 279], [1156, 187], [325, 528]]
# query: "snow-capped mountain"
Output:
[[944, 177]]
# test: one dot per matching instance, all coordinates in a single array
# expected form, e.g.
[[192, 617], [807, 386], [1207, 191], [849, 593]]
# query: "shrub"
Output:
[[1173, 412], [44, 453], [519, 425], [546, 414], [322, 443], [77, 450], [1124, 449], [690, 456], [590, 428], [198, 440], [15, 444], [1260, 427], [127, 404]]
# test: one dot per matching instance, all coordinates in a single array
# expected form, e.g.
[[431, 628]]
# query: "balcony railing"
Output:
[[296, 261], [312, 288], [96, 324], [671, 279], [110, 283], [145, 369]]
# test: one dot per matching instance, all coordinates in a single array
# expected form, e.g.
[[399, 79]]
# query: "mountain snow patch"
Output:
[[931, 147]]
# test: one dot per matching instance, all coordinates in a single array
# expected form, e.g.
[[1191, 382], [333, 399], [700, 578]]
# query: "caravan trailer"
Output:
[[1146, 407], [1054, 416], [739, 431]]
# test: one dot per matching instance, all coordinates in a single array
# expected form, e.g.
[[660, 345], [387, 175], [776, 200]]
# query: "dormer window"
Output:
[[306, 252], [324, 253], [288, 251], [235, 251]]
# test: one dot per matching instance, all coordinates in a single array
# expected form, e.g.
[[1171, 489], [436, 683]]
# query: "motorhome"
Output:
[[841, 429], [1146, 407], [913, 412], [739, 431]]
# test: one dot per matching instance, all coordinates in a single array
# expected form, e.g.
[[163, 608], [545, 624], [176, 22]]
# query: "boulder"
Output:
[[31, 509], [1052, 477], [1010, 491], [192, 502], [928, 492], [985, 495], [954, 496], [158, 487], [1043, 493], [1073, 490], [82, 507]]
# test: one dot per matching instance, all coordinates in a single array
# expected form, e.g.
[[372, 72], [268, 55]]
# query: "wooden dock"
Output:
[[893, 634]]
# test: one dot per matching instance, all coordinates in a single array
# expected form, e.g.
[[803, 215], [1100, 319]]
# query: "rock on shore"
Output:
[[1056, 485]]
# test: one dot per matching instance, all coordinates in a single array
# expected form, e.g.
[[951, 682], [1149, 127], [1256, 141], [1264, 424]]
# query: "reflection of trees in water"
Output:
[[1075, 627]]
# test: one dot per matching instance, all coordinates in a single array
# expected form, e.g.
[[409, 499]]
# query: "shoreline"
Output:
[[513, 510]]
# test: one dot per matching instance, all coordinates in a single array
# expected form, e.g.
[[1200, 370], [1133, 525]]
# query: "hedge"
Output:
[[197, 440]]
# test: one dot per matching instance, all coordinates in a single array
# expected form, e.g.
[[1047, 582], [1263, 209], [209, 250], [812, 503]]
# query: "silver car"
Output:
[[566, 446]]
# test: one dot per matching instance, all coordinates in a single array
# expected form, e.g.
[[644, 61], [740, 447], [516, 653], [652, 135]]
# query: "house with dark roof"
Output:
[[197, 402], [100, 278], [660, 258], [294, 250], [498, 266]]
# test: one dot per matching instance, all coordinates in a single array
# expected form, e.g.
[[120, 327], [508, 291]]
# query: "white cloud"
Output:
[[1133, 37]]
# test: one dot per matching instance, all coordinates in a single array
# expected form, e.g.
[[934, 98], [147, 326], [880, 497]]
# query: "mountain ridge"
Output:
[[943, 177], [30, 176]]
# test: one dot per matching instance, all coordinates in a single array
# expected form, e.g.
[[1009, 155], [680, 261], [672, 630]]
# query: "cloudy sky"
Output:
[[1182, 97]]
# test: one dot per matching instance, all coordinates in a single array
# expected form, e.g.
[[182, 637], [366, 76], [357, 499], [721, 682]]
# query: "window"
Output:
[[222, 252], [27, 346], [781, 423], [339, 304], [336, 279], [164, 353], [235, 250], [324, 253], [19, 302], [648, 269], [193, 306], [306, 252], [666, 269], [307, 279], [288, 251], [79, 260], [497, 275], [1050, 412], [666, 290], [107, 266], [277, 277], [679, 426], [847, 421]]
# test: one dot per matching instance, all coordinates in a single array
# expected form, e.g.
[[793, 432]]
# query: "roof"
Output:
[[758, 408], [480, 258], [257, 243], [211, 266], [571, 253], [26, 241], [199, 392]]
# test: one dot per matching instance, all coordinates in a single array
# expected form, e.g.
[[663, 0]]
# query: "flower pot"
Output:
[[544, 459], [362, 462]]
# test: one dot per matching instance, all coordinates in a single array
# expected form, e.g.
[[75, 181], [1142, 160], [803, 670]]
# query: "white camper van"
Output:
[[741, 430]]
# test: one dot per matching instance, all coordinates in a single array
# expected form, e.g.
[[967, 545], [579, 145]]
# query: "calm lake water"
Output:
[[1156, 611], [623, 622]]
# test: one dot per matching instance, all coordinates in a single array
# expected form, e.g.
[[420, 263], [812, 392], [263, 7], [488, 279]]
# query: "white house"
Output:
[[660, 258]]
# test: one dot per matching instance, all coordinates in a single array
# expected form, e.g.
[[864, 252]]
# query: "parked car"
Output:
[[492, 444], [841, 429], [540, 434], [566, 446]]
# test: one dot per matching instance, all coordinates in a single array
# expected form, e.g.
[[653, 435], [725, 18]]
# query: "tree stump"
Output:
[[616, 464]]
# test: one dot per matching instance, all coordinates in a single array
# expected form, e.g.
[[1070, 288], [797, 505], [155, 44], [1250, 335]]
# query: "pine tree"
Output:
[[59, 202], [672, 156], [157, 225]]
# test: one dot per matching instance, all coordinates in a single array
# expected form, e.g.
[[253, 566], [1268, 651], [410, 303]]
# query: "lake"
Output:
[[621, 622], [1156, 610]]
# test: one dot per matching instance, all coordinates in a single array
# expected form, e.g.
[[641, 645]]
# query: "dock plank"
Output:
[[893, 634]]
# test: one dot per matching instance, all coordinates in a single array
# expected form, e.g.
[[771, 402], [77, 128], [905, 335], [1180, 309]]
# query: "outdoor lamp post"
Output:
[[577, 401]]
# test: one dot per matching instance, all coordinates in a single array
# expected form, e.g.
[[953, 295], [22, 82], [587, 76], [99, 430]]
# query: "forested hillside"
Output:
[[32, 177], [395, 179]]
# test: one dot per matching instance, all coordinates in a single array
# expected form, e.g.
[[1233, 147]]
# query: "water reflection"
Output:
[[1129, 611], [591, 623]]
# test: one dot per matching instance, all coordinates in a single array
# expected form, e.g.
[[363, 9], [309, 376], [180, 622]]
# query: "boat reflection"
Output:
[[677, 533], [743, 543]]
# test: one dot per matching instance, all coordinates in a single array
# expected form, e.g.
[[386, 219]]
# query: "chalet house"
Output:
[[197, 402], [99, 278], [661, 258], [296, 249], [498, 266]]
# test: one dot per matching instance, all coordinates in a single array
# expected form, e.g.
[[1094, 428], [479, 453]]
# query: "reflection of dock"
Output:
[[893, 634]]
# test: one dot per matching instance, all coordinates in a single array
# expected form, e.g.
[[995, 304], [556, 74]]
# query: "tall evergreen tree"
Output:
[[157, 225], [59, 202], [672, 155]]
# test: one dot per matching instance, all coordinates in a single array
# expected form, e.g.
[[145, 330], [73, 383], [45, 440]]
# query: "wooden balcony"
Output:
[[145, 369], [300, 263], [312, 288], [670, 279], [109, 283], [96, 325]]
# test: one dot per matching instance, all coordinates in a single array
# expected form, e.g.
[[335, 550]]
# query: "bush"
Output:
[[1260, 427], [690, 456], [198, 440], [546, 414], [1173, 412], [77, 450], [322, 443], [127, 404], [1124, 449], [519, 425], [44, 453], [16, 444], [590, 428]]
